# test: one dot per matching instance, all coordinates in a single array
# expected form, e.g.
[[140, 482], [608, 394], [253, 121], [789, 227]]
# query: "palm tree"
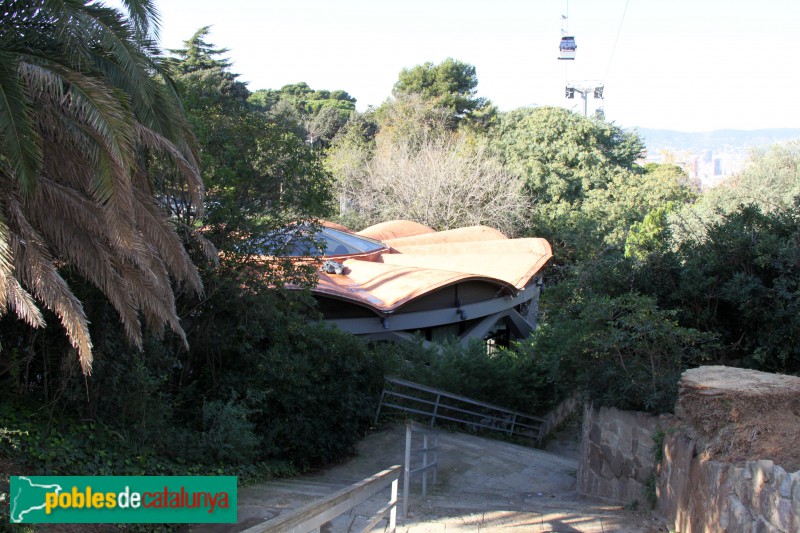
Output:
[[85, 107]]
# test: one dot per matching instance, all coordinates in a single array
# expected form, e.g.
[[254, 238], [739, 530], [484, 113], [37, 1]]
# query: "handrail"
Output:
[[426, 388], [427, 448], [453, 408], [310, 517], [502, 419]]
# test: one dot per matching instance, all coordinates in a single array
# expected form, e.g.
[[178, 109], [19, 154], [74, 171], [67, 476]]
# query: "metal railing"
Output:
[[438, 404], [310, 517], [430, 458]]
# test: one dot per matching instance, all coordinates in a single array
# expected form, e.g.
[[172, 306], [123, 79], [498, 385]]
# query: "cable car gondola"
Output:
[[567, 47]]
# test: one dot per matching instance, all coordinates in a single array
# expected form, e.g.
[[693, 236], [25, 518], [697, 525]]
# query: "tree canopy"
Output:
[[581, 173], [315, 115], [451, 84], [261, 179]]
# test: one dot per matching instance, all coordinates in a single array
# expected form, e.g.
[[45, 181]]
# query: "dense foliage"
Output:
[[452, 85], [261, 378], [315, 116], [86, 108], [649, 276], [580, 173], [514, 379], [729, 297], [262, 387], [742, 281]]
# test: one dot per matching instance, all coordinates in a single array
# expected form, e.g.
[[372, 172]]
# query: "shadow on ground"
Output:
[[483, 485]]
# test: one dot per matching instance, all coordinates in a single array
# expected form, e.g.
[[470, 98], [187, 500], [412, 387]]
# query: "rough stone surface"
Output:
[[739, 415], [617, 454], [725, 456], [561, 413], [701, 488]]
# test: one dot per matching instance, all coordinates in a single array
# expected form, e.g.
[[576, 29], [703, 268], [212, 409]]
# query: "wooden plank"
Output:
[[380, 515], [315, 514]]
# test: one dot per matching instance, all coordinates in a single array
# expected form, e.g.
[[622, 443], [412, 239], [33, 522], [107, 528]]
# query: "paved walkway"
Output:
[[483, 485]]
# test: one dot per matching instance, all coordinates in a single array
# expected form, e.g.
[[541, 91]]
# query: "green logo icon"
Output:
[[28, 497], [123, 499]]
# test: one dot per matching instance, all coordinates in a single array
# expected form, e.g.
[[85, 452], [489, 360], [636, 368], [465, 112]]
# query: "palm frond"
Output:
[[20, 302], [79, 239], [123, 59], [206, 246], [18, 140], [185, 162], [157, 306], [85, 101], [100, 113], [34, 267], [6, 268], [145, 17], [157, 230]]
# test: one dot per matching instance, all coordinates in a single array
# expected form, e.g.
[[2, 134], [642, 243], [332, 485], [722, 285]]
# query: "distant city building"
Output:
[[702, 166], [711, 157]]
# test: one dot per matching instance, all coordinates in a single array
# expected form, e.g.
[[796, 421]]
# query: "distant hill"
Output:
[[719, 140]]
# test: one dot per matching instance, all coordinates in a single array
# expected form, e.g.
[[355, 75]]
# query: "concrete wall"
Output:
[[698, 495], [617, 455]]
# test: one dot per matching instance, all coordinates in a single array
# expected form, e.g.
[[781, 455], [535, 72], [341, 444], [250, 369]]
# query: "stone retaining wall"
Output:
[[617, 455], [698, 495], [560, 413], [703, 484]]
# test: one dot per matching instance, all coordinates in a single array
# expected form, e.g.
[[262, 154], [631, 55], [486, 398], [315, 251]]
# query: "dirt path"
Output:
[[483, 485]]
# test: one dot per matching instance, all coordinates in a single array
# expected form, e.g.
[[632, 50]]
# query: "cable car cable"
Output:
[[616, 40]]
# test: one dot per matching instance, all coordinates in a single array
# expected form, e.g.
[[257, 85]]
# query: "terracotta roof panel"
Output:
[[386, 287], [395, 229], [469, 234], [422, 261], [514, 261]]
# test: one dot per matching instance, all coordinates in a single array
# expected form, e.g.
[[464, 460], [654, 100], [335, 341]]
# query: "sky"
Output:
[[686, 65]]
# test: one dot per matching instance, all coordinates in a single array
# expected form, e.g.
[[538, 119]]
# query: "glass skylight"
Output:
[[298, 242]]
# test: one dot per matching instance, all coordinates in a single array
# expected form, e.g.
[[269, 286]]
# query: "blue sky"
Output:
[[689, 65]]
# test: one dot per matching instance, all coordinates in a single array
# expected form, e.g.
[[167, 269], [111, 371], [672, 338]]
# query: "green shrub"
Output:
[[510, 378], [622, 352], [320, 388], [228, 435]]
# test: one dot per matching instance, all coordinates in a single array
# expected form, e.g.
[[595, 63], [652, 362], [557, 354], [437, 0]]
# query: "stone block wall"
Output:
[[560, 413], [617, 455], [723, 462], [700, 495], [701, 485]]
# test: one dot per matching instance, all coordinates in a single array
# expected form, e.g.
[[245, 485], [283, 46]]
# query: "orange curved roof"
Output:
[[335, 225], [468, 234], [426, 262], [394, 229], [386, 287], [514, 261]]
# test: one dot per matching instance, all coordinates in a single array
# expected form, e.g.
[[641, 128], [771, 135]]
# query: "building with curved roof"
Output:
[[401, 277]]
